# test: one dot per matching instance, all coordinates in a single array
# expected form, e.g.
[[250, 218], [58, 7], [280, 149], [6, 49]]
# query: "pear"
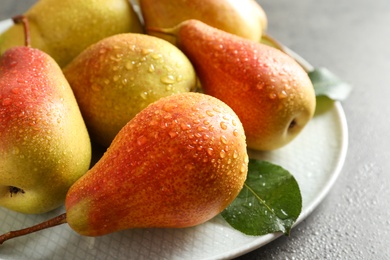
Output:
[[177, 164], [64, 28], [120, 75], [270, 92], [245, 18], [44, 143]]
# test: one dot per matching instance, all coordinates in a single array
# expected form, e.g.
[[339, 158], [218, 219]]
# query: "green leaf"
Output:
[[270, 201], [327, 84]]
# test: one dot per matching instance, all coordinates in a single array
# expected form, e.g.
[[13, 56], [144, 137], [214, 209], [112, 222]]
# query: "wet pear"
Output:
[[64, 28], [178, 163], [270, 92], [44, 143], [245, 18], [120, 75]]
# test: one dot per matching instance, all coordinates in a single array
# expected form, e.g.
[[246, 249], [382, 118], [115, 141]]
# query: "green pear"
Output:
[[270, 92], [120, 75], [178, 163], [64, 28], [245, 18], [44, 143]]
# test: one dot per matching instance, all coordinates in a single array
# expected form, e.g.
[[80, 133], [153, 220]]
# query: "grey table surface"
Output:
[[352, 39]]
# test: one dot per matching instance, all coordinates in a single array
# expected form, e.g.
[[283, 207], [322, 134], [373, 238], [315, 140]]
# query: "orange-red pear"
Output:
[[270, 92], [178, 163]]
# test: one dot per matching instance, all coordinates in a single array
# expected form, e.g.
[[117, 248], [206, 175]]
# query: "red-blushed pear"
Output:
[[245, 18], [178, 163], [120, 75], [270, 92], [44, 143]]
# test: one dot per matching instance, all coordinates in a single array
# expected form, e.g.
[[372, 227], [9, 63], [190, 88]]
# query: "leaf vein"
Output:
[[258, 197]]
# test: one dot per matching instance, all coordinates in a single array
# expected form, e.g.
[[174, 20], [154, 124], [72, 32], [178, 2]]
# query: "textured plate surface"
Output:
[[315, 158]]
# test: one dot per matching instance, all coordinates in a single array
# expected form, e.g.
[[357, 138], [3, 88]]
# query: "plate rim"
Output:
[[266, 239]]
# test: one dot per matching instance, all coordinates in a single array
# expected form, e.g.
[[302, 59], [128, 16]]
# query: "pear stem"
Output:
[[61, 219], [24, 20], [167, 31]]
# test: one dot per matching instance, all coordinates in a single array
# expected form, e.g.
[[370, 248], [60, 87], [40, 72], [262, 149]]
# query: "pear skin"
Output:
[[120, 75], [64, 28], [269, 91], [178, 163], [245, 18], [44, 143]]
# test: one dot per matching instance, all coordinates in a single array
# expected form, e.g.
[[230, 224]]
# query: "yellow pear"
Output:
[[63, 28], [120, 75], [245, 18]]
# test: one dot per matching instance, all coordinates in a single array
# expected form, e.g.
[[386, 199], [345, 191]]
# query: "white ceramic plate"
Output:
[[315, 158]]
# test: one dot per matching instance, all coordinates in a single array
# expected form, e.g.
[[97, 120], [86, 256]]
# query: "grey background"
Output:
[[352, 39]]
